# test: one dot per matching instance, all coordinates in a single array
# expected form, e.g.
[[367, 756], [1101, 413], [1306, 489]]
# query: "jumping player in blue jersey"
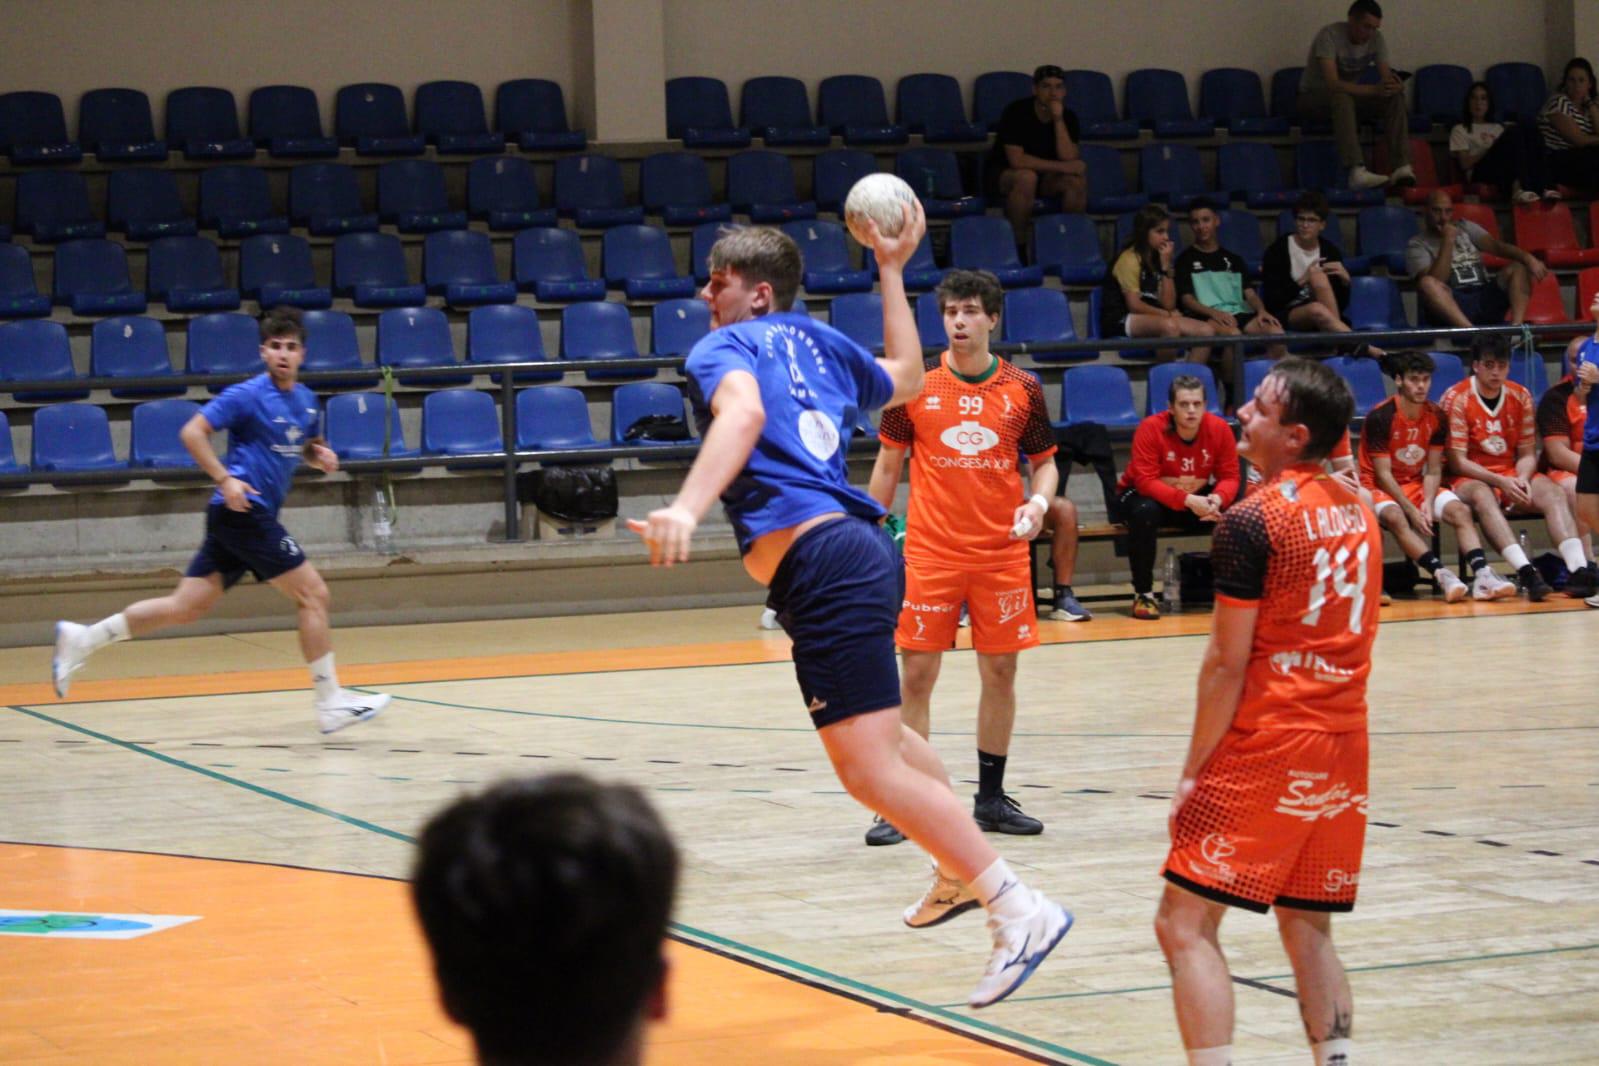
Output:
[[776, 395], [272, 423]]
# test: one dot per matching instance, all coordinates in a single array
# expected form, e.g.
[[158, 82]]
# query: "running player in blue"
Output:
[[776, 395], [272, 423], [1583, 354]]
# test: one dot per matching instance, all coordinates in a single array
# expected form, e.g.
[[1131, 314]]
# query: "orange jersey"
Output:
[[1489, 434], [1341, 449], [1308, 554], [1561, 415], [966, 439], [1406, 443]]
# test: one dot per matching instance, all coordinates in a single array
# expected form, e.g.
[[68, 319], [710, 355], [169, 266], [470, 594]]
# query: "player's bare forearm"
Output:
[[1526, 461], [1561, 455], [1431, 481], [1221, 681], [196, 437], [1045, 479], [902, 344], [722, 455], [885, 475], [1382, 472], [1466, 468]]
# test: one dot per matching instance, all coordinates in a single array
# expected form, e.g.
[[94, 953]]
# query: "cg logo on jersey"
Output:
[[969, 438], [1411, 454]]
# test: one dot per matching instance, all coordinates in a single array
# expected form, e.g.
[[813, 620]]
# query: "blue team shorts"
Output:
[[837, 593], [1484, 305], [236, 541]]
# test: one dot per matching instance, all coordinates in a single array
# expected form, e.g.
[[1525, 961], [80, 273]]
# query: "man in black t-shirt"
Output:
[[1213, 285], [1035, 152]]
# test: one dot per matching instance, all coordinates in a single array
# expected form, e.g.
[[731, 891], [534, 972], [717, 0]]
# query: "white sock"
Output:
[[1513, 555], [325, 678], [1210, 1056], [106, 631], [1571, 551], [1002, 892], [1338, 1052]]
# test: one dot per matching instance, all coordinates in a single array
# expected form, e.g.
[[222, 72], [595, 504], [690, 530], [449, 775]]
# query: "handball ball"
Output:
[[881, 197]]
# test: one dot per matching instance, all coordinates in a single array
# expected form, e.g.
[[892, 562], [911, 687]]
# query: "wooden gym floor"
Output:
[[186, 778]]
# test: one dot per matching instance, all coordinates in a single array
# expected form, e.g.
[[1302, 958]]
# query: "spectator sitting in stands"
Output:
[[1569, 123], [1213, 284], [1347, 78], [1035, 151], [1303, 277], [1491, 154], [1451, 281], [1140, 293]]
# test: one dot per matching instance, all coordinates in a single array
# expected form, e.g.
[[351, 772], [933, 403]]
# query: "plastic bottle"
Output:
[[382, 522], [1172, 588]]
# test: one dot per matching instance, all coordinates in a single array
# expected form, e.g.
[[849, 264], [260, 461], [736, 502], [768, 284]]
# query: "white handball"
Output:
[[883, 198]]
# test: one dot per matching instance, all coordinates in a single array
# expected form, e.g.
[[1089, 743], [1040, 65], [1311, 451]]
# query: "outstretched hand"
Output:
[[896, 251], [667, 532]]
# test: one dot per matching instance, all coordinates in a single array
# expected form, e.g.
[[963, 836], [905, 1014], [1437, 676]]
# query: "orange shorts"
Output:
[[1278, 817], [1499, 494], [1411, 489], [1561, 477], [1000, 602]]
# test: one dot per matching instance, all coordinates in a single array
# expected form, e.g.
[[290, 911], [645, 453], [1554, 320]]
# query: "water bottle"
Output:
[[1172, 588], [382, 522]]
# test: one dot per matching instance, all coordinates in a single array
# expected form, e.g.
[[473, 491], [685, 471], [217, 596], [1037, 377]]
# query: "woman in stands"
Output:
[[1489, 153], [1140, 295], [1569, 123]]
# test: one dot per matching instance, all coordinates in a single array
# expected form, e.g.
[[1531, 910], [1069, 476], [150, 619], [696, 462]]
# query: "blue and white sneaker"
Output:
[[1066, 608], [349, 708], [1020, 945]]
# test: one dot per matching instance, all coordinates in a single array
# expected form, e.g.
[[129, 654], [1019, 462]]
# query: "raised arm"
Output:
[[902, 344]]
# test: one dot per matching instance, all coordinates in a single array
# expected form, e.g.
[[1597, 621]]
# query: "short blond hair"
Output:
[[761, 253]]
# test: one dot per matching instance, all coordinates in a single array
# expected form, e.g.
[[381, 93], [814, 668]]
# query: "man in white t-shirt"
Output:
[[1454, 285], [1347, 79]]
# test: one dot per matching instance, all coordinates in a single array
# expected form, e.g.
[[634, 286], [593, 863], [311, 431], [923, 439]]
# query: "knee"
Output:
[[1391, 520], [917, 684], [1024, 183], [997, 671], [314, 596], [1431, 287], [1143, 513], [1063, 516], [1175, 934]]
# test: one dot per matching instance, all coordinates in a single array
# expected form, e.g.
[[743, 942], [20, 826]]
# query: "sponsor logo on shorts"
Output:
[[928, 608], [1024, 632], [969, 438], [1286, 662], [1012, 602], [921, 626], [1310, 797], [817, 704], [1338, 880], [1215, 850], [288, 547]]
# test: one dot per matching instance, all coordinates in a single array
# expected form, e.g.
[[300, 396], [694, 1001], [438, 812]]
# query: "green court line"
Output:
[[685, 930]]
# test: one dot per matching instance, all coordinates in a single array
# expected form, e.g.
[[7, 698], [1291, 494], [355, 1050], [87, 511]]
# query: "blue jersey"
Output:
[[1589, 353], [814, 382], [267, 429]]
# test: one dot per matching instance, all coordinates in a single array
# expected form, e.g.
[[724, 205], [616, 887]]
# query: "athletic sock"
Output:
[[1476, 559], [990, 775], [1002, 892], [1430, 562], [1338, 1052], [1513, 555], [1571, 551], [107, 631], [1210, 1056], [325, 678]]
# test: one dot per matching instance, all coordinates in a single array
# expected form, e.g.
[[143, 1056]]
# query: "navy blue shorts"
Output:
[[236, 541], [837, 593], [1484, 305]]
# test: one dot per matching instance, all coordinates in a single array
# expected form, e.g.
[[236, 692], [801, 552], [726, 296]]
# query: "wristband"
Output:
[[1043, 504]]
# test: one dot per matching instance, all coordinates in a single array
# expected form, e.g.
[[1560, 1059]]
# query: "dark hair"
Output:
[[1148, 217], [1465, 104], [1048, 70], [1365, 7], [1489, 346], [545, 902], [1203, 203], [1582, 64], [1182, 383], [971, 285], [1315, 397], [761, 253], [282, 321], [1314, 201], [1397, 364]]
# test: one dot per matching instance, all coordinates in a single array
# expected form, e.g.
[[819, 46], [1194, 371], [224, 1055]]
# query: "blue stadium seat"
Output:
[[630, 403], [237, 202], [330, 344], [920, 273], [354, 424], [532, 112], [325, 198], [1067, 247], [1098, 393], [185, 273], [1285, 101], [286, 120], [986, 242], [1158, 99], [411, 195], [828, 268], [506, 333], [639, 261], [1234, 98], [370, 269], [854, 105], [1316, 163], [760, 184], [19, 292], [677, 325], [1374, 303], [153, 436], [417, 337], [778, 109], [116, 125], [1255, 371], [1171, 174], [1365, 379], [131, 346], [371, 116], [460, 422], [554, 418], [588, 189], [91, 277], [144, 204], [8, 455], [1250, 172], [1041, 316], [935, 176], [1108, 190], [1518, 91], [1528, 369], [222, 343], [1160, 378], [38, 351], [53, 205], [699, 114], [503, 191], [859, 316], [930, 104], [700, 240], [450, 115], [1239, 233], [600, 332], [1090, 94], [835, 174], [204, 122], [549, 263], [459, 264], [1447, 370], [1440, 89], [71, 437], [996, 90], [930, 321], [677, 186], [33, 129], [1381, 234], [275, 268]]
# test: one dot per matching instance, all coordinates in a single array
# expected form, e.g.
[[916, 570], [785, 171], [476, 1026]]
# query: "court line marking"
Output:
[[687, 932]]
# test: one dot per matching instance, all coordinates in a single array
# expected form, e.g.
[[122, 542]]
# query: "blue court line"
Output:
[[684, 930]]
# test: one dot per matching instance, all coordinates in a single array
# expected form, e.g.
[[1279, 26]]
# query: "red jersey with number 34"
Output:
[[1307, 553]]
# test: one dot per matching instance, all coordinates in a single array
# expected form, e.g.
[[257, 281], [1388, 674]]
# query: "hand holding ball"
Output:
[[880, 198]]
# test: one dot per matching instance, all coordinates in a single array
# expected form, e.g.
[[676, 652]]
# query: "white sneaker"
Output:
[[1592, 601], [71, 654], [1403, 176], [1455, 589], [1488, 585], [944, 899], [1019, 946], [769, 619], [350, 708], [1361, 178]]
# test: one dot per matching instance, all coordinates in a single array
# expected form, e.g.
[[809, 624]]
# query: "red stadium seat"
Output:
[[1484, 216], [1547, 307], [1547, 230]]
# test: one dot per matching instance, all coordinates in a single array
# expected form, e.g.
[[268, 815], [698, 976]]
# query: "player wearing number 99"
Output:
[[1270, 809]]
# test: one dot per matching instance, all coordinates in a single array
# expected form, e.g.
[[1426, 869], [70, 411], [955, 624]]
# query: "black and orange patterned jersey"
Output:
[[1305, 551], [967, 438], [1561, 414], [1489, 432], [1406, 443]]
